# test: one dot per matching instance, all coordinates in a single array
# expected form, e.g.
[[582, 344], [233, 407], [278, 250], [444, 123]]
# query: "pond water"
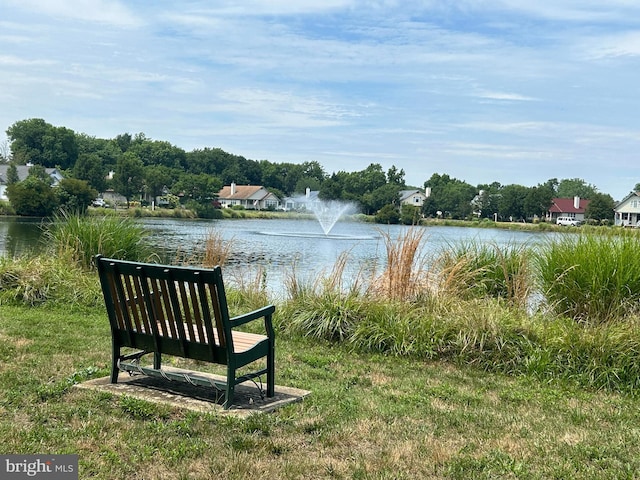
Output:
[[271, 248], [275, 246]]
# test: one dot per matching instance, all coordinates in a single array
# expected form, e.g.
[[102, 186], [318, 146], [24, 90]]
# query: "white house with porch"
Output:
[[414, 198], [627, 211]]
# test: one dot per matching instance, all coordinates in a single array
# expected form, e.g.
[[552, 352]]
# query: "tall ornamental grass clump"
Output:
[[405, 275], [591, 278], [328, 307], [475, 270], [79, 238]]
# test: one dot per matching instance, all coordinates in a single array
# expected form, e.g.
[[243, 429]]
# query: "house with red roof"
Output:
[[251, 197], [567, 207]]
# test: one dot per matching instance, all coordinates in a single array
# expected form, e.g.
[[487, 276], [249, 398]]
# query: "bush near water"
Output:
[[564, 311]]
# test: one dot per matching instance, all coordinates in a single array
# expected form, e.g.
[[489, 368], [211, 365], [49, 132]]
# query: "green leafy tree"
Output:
[[313, 169], [129, 176], [200, 188], [242, 172], [600, 207], [12, 174], [39, 142], [32, 197], [511, 203], [209, 160], [27, 140], [395, 176], [75, 195], [381, 196], [275, 175], [575, 187], [124, 141], [450, 196], [537, 201], [60, 148], [90, 168], [159, 177], [332, 188], [367, 180], [106, 150], [158, 153]]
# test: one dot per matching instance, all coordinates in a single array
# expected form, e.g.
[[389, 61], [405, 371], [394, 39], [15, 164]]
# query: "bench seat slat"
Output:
[[242, 341]]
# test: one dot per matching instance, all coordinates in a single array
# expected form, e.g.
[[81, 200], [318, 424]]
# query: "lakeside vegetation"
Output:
[[145, 171], [416, 371]]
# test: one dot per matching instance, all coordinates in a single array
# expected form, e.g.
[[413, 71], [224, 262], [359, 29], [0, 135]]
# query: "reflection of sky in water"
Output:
[[278, 245]]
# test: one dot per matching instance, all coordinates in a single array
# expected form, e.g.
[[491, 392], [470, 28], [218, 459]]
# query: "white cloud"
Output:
[[14, 61], [98, 11], [505, 96], [624, 44], [283, 108], [275, 7]]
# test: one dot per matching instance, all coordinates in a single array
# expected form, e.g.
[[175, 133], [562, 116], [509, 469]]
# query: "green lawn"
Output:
[[369, 416]]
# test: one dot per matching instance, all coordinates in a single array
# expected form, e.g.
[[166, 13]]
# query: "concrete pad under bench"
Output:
[[199, 399]]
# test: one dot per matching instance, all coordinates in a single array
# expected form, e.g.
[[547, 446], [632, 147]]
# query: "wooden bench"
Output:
[[182, 311]]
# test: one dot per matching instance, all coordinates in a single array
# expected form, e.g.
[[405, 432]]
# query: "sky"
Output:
[[508, 91]]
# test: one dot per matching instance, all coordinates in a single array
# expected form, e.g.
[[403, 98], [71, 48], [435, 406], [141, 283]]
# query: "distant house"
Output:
[[302, 202], [112, 198], [23, 172], [414, 198], [567, 207], [627, 211], [251, 197]]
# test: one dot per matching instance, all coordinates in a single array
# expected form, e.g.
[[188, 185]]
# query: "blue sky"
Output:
[[513, 91]]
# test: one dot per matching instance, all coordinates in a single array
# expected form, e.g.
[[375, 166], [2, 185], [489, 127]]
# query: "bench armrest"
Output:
[[265, 312]]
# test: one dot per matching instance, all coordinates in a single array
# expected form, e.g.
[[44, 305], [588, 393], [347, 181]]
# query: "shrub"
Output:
[[388, 215], [46, 279], [32, 197]]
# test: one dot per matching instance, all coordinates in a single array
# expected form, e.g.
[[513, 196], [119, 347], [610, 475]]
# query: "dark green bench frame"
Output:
[[181, 311]]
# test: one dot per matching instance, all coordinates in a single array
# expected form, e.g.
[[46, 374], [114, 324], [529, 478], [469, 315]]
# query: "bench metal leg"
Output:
[[230, 388], [271, 369], [157, 360], [115, 356]]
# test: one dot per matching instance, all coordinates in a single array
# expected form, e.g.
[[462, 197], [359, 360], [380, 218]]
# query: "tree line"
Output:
[[136, 166]]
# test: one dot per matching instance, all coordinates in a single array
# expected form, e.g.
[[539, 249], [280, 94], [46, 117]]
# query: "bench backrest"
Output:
[[170, 309]]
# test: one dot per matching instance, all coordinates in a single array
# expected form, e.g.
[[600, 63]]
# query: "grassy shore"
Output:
[[369, 416], [415, 372]]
